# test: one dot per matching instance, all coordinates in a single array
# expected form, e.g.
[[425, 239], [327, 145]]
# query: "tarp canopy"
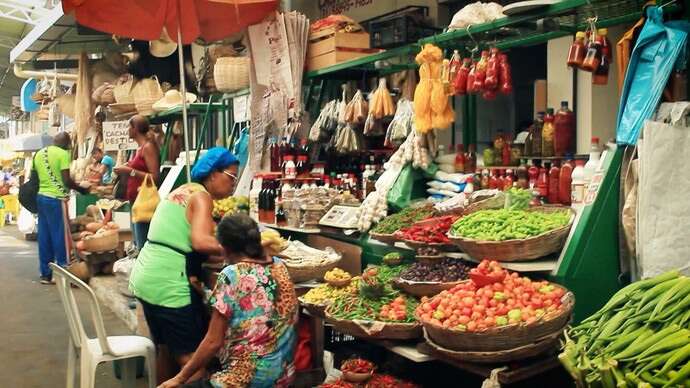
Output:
[[30, 142]]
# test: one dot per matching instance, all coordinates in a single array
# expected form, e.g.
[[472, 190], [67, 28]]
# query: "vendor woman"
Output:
[[182, 223]]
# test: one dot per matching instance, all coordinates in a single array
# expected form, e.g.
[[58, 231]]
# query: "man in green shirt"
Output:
[[54, 182]]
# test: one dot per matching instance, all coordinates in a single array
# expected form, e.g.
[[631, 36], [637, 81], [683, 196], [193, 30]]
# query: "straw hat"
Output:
[[171, 99], [162, 47]]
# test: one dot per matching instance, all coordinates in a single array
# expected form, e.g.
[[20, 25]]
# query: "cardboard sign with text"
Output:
[[116, 136]]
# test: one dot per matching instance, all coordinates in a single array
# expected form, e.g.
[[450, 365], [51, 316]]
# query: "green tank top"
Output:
[[159, 275]]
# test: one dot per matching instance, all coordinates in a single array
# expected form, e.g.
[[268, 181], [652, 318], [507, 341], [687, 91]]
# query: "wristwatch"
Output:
[[133, 173]]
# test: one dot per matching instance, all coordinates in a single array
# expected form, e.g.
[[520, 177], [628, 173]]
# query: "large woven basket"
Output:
[[106, 242], [546, 344], [424, 288], [146, 92], [504, 337], [376, 329], [122, 91], [300, 274], [317, 310], [386, 238], [518, 250], [231, 73]]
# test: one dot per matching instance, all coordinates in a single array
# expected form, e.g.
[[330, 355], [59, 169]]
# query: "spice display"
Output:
[[431, 232], [502, 224], [640, 336], [514, 300], [445, 270], [402, 219], [431, 106]]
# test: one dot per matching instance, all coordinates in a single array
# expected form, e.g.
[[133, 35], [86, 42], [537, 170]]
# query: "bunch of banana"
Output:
[[272, 242], [230, 205]]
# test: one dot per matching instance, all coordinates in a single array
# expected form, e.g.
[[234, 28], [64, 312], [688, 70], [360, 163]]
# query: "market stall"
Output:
[[407, 223]]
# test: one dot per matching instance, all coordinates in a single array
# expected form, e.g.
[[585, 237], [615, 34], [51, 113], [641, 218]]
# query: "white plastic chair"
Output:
[[93, 351]]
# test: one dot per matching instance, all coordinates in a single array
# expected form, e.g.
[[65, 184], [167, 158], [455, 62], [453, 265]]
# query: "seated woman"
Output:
[[252, 328]]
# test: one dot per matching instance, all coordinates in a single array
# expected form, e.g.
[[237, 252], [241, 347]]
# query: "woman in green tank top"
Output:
[[182, 223]]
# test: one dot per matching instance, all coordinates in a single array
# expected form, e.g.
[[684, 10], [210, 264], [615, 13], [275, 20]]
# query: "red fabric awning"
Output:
[[145, 19]]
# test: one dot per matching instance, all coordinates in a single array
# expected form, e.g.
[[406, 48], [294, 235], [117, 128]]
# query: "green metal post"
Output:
[[166, 141]]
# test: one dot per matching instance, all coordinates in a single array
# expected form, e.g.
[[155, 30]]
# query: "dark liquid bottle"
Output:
[[274, 150]]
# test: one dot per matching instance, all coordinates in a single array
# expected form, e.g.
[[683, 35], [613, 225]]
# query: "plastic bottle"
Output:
[[578, 183], [274, 151], [485, 179], [576, 54], [500, 180], [522, 177], [533, 175], [564, 130], [547, 134], [593, 162], [543, 183], [602, 37], [554, 177], [508, 180], [290, 168], [262, 200], [564, 183], [505, 152], [593, 57]]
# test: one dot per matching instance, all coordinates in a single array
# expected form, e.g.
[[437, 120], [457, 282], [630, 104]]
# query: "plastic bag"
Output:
[[409, 185], [241, 146], [26, 222]]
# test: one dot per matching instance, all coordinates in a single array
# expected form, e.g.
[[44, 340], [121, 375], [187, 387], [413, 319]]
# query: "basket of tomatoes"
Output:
[[508, 313]]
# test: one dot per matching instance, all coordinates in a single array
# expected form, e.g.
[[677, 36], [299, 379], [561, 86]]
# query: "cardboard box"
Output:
[[337, 56]]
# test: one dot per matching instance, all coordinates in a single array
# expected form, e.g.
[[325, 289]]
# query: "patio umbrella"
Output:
[[187, 19]]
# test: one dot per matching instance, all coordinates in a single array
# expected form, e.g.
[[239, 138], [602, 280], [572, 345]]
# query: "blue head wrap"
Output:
[[216, 158]]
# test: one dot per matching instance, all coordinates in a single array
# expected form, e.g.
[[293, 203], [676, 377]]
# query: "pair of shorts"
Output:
[[180, 329]]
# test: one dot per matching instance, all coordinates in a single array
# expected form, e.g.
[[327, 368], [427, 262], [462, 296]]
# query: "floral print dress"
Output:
[[260, 304]]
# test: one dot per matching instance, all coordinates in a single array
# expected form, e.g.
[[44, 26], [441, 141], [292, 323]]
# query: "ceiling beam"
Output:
[[21, 12]]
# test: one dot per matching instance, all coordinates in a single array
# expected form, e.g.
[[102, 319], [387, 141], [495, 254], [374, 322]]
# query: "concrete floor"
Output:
[[33, 323]]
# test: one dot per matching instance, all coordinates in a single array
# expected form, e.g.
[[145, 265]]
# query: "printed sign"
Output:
[[116, 136], [331, 7], [240, 109]]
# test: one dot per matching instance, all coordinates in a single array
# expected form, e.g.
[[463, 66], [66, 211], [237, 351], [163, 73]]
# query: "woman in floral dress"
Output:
[[252, 328]]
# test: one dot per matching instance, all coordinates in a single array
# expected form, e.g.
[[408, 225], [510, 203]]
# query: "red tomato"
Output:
[[463, 319], [475, 316], [466, 311], [490, 321], [479, 308], [468, 302], [498, 286], [472, 326], [548, 303]]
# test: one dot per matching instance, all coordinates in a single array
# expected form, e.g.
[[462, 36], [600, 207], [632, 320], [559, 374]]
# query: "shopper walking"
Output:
[[54, 181], [252, 328], [182, 223], [146, 161]]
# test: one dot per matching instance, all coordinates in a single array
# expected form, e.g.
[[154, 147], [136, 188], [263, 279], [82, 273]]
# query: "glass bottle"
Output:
[[543, 183], [508, 180], [522, 177], [459, 158], [470, 159], [274, 151], [554, 176], [576, 54], [564, 183], [281, 219], [485, 179], [547, 134], [533, 175], [536, 134]]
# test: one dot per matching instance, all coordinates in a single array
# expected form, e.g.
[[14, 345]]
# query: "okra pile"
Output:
[[502, 224], [640, 338]]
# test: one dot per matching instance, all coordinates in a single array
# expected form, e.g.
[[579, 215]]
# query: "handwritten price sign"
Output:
[[116, 136]]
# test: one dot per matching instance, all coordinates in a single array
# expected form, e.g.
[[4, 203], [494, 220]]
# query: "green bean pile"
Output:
[[404, 218], [502, 224], [640, 338], [354, 307]]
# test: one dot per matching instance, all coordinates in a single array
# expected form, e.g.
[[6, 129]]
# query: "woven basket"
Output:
[[441, 247], [518, 250], [231, 73], [104, 95], [389, 239], [424, 288], [504, 337], [376, 329], [546, 344], [105, 242], [122, 91], [146, 92], [300, 274]]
